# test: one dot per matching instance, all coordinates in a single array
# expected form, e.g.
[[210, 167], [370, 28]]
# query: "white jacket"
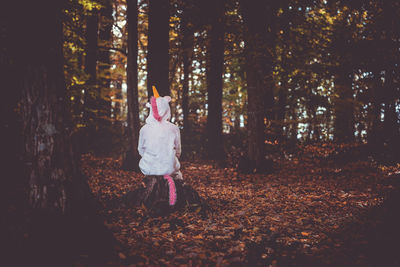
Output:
[[159, 142]]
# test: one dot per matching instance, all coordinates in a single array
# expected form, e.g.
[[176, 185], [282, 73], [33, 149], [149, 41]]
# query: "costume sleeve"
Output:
[[178, 148], [141, 143]]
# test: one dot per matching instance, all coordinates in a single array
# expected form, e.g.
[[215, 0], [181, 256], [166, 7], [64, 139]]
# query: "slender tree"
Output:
[[214, 72], [132, 156], [187, 47], [391, 123], [158, 45], [104, 62], [91, 35]]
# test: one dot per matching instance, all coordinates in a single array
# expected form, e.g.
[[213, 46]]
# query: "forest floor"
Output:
[[311, 211]]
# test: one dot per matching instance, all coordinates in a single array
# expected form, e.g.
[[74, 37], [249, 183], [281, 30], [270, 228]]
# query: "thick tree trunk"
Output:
[[131, 161], [344, 101], [49, 161], [344, 106], [269, 57], [259, 56], [214, 72], [387, 137], [255, 114], [103, 132], [158, 47], [49, 170], [59, 220], [13, 182]]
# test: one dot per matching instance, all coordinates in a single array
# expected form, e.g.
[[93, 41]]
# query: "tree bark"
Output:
[[258, 16], [343, 45], [344, 108], [52, 176], [92, 27], [59, 215], [391, 91], [117, 110], [214, 72], [158, 47], [281, 107], [131, 161], [375, 111], [187, 47], [391, 126], [104, 62]]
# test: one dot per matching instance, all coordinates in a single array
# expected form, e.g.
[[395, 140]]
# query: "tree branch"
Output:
[[122, 51]]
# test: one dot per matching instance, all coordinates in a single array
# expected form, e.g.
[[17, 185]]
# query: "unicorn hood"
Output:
[[160, 110]]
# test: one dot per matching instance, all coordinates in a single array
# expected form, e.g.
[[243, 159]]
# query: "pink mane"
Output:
[[155, 109]]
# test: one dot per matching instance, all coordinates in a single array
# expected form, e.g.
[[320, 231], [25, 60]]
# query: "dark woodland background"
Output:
[[249, 80]]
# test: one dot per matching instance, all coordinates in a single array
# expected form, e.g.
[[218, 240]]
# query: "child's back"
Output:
[[159, 141]]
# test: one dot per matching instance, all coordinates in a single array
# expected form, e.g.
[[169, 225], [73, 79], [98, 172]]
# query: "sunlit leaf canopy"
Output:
[[318, 44]]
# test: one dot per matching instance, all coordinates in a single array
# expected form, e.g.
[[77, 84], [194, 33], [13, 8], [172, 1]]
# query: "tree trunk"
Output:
[[375, 120], [187, 47], [104, 62], [49, 161], [117, 110], [343, 49], [92, 27], [60, 215], [53, 179], [293, 127], [158, 47], [344, 109], [391, 125], [316, 126], [257, 17], [90, 105], [281, 108], [269, 57], [131, 161], [214, 72]]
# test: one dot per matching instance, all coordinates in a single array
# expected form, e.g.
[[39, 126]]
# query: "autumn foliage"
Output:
[[312, 210]]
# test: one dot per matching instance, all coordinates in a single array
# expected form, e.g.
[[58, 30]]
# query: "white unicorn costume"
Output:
[[160, 140]]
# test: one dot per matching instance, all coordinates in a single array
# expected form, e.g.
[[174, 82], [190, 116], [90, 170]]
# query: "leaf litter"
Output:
[[301, 211]]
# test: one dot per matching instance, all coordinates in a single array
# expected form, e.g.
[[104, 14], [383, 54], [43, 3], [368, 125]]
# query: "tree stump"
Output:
[[154, 195]]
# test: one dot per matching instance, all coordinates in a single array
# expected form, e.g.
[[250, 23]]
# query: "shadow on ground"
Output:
[[372, 239]]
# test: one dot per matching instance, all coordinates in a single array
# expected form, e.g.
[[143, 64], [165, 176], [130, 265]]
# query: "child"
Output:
[[159, 140]]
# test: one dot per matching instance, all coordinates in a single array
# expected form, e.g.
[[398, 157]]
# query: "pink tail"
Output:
[[172, 190]]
